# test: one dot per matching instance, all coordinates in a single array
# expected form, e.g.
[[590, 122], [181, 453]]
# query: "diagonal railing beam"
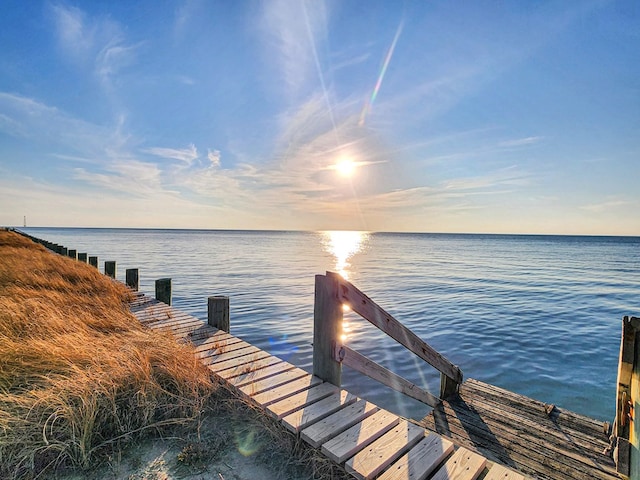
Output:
[[376, 315]]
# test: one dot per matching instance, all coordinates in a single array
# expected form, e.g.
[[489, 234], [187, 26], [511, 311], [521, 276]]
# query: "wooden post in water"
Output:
[[110, 268], [82, 257], [73, 253], [163, 290], [327, 326], [218, 312], [93, 261], [132, 279], [63, 251]]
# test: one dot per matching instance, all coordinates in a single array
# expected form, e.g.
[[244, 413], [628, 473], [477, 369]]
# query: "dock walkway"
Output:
[[529, 436], [367, 440]]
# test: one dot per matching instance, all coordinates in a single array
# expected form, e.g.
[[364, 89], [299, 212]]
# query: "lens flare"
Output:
[[369, 104]]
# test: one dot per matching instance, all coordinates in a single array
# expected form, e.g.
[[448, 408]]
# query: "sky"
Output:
[[419, 116]]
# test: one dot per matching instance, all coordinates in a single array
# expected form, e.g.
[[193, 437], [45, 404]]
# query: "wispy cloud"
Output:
[[294, 30], [186, 155], [520, 142], [607, 205], [98, 43]]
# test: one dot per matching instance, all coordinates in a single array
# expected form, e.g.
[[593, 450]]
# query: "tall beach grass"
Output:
[[79, 376]]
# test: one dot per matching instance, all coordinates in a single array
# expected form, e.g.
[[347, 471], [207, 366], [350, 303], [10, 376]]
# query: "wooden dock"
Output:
[[368, 441], [531, 437]]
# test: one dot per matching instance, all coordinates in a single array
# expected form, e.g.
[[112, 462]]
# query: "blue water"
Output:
[[538, 315]]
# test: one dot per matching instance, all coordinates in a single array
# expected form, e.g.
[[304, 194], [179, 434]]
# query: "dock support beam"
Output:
[[73, 254], [82, 257], [218, 312], [110, 268], [93, 261], [132, 279], [327, 327], [163, 290]]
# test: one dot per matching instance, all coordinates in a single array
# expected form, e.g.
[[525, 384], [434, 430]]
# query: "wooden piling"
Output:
[[73, 253], [63, 251], [93, 261], [82, 257], [132, 279], [163, 290], [110, 268], [218, 312], [327, 326]]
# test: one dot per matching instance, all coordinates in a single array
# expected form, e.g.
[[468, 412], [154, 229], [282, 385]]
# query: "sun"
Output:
[[345, 167]]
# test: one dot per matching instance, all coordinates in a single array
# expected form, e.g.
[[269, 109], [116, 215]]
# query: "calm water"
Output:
[[538, 315]]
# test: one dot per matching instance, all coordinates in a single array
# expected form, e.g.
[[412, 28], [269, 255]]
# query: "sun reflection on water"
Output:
[[343, 245]]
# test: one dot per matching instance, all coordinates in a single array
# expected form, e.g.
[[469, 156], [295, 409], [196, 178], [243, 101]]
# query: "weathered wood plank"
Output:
[[511, 447], [371, 369], [241, 352], [301, 419], [368, 309], [251, 375], [215, 343], [421, 460], [355, 438], [500, 472], [369, 462], [463, 465], [238, 362], [338, 422], [249, 366], [260, 386], [300, 400], [268, 397]]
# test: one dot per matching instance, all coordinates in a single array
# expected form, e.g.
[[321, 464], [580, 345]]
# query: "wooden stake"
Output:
[[163, 290], [218, 312]]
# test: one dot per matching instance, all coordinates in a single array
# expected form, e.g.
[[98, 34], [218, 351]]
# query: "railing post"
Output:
[[73, 253], [63, 251], [448, 386], [82, 257], [93, 261], [110, 268], [132, 278], [327, 326], [163, 290], [218, 312]]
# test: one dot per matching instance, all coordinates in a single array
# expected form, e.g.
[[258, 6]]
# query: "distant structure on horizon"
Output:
[[25, 221]]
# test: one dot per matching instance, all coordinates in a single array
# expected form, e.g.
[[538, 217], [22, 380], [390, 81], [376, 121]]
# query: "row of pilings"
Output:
[[132, 277]]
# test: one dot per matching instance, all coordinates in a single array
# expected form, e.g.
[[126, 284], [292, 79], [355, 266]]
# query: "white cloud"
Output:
[[75, 37], [186, 155], [214, 157]]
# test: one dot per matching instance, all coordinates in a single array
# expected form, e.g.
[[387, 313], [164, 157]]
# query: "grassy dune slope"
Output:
[[78, 374]]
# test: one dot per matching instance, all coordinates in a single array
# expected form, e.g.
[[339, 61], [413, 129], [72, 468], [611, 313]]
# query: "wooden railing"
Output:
[[330, 353], [626, 428]]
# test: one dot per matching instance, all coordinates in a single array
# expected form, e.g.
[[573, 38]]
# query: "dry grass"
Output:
[[78, 374]]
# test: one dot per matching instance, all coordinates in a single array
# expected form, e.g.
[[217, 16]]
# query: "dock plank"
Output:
[[249, 366], [336, 423], [421, 460], [462, 465], [372, 460], [238, 362], [253, 375], [499, 472], [266, 398], [300, 400], [301, 419], [269, 383], [355, 438]]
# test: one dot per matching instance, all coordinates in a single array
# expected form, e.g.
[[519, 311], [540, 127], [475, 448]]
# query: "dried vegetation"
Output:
[[78, 375]]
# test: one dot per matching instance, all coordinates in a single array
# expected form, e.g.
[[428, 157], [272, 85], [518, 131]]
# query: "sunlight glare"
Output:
[[343, 245], [346, 167]]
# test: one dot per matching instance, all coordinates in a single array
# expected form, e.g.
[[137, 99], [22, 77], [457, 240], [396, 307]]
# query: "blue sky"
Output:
[[504, 117]]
